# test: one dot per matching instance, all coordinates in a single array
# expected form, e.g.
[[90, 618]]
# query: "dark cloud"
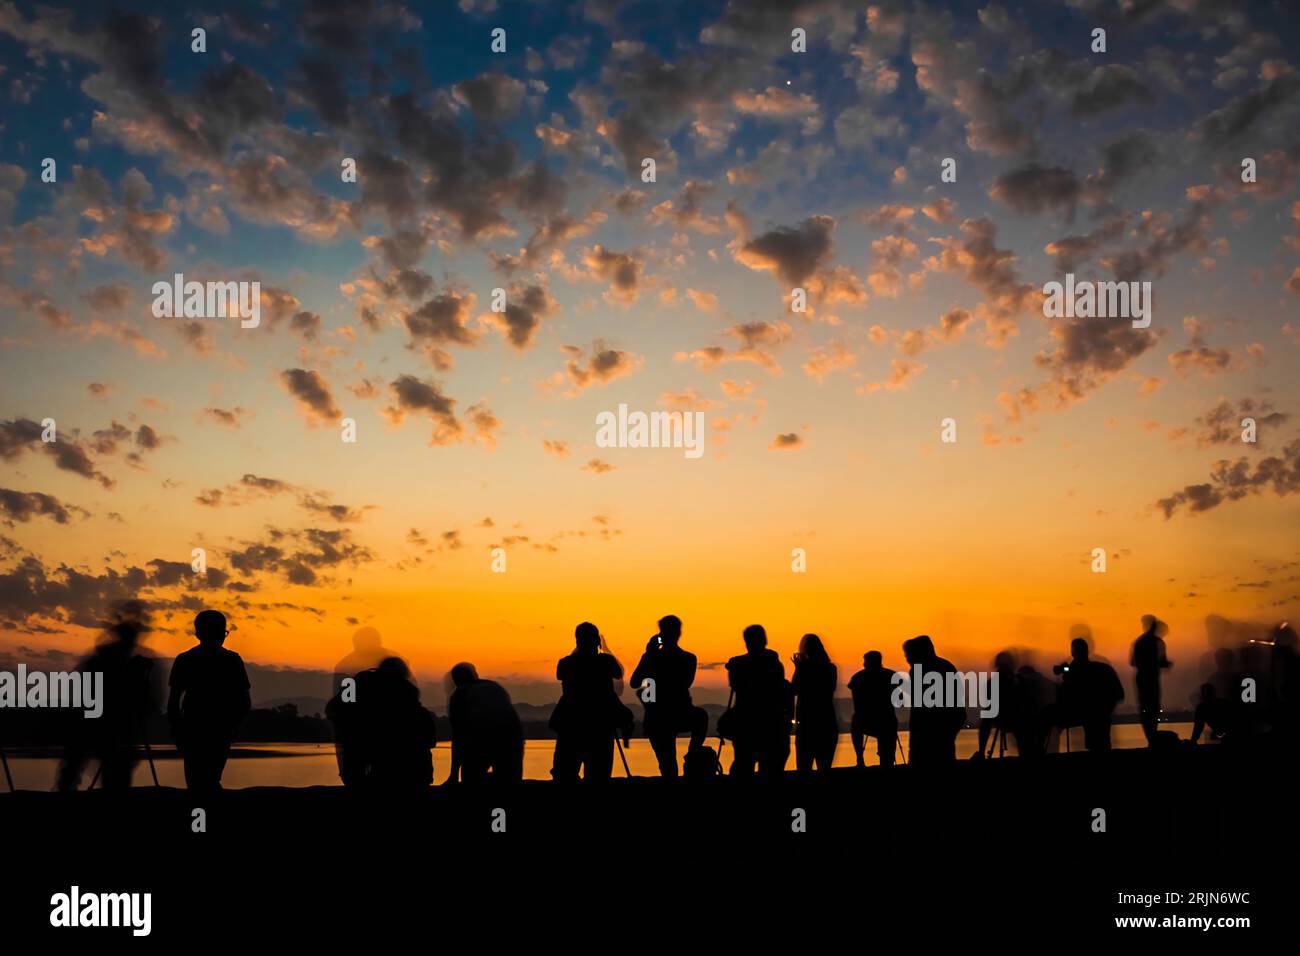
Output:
[[23, 506], [1034, 189], [526, 306], [1234, 480], [1110, 87], [793, 253], [312, 392]]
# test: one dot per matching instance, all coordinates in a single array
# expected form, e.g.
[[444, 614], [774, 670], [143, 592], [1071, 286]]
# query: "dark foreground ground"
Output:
[[1002, 852]]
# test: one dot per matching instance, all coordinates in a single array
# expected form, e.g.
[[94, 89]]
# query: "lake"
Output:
[[313, 765]]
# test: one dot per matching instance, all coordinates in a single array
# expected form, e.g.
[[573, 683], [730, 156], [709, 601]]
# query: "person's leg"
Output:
[[1096, 734], [886, 746], [566, 760], [664, 745], [743, 756], [803, 752], [698, 726], [826, 750], [599, 762]]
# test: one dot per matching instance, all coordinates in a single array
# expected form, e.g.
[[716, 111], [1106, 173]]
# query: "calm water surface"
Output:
[[313, 765]]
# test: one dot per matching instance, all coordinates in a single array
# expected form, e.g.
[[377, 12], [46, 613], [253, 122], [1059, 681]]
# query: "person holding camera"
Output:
[[668, 706]]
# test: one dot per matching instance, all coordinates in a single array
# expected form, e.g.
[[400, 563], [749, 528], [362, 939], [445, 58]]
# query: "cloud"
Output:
[[21, 435], [757, 339], [526, 307], [622, 270], [1199, 357], [598, 467], [1035, 189], [1234, 480], [604, 364], [792, 253], [901, 373], [313, 394], [23, 506], [786, 441], [1221, 425]]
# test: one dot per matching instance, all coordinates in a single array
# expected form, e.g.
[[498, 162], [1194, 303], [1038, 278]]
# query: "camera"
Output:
[[1061, 669]]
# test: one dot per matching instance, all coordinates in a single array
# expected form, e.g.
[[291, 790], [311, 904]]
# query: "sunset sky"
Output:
[[522, 170]]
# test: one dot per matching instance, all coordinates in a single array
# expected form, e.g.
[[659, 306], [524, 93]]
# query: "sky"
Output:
[[522, 169]]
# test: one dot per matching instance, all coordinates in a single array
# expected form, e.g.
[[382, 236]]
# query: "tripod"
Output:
[[718, 762], [148, 752], [626, 769], [4, 759], [999, 740]]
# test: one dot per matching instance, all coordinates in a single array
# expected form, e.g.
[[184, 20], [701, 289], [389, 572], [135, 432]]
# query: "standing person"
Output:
[[932, 731], [1088, 695], [760, 716], [129, 701], [817, 728], [209, 697], [1148, 659], [485, 731], [589, 712], [1009, 719], [668, 706], [873, 710]]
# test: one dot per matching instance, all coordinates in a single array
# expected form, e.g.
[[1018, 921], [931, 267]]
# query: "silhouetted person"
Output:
[[486, 735], [931, 731], [873, 710], [1148, 659], [1036, 701], [670, 711], [398, 732], [760, 715], [367, 652], [1088, 695], [1009, 717], [817, 728], [209, 697], [1284, 684], [1219, 715], [129, 700], [588, 714]]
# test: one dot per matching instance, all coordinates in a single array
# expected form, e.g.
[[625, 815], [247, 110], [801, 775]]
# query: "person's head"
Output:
[[918, 649], [586, 638], [755, 637], [1079, 649], [811, 648], [130, 621], [1004, 662], [670, 629], [393, 671], [210, 627], [365, 640], [464, 673], [1208, 693], [871, 660]]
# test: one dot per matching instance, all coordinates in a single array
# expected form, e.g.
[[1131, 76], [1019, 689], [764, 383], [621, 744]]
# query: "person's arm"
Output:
[[638, 674], [1199, 726], [690, 670], [174, 720], [245, 703]]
